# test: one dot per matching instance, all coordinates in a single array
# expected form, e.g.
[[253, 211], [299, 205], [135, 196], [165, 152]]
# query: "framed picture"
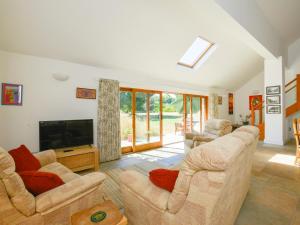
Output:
[[86, 93], [255, 101], [273, 109], [219, 100], [273, 90], [230, 103], [273, 99], [12, 94]]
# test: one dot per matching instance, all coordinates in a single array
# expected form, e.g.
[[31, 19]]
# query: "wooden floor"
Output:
[[274, 196]]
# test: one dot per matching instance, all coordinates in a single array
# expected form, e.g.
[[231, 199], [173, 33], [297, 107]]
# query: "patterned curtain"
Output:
[[213, 106], [108, 137]]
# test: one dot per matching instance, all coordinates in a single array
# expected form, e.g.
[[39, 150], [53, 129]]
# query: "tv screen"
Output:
[[65, 133]]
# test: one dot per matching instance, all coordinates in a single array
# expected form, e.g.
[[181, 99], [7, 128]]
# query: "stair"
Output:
[[293, 85]]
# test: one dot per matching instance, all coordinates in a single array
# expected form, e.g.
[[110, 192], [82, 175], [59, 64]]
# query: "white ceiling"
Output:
[[143, 36], [284, 16]]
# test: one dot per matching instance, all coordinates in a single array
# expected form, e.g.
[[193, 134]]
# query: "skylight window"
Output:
[[195, 53]]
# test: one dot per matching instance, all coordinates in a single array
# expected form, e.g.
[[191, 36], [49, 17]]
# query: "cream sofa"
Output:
[[54, 207], [213, 129], [212, 184]]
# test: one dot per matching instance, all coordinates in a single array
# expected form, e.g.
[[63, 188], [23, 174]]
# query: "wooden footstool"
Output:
[[90, 216]]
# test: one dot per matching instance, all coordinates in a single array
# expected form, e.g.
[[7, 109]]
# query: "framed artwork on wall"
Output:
[[12, 94], [86, 93], [255, 101], [230, 103], [273, 99], [274, 109], [273, 90]]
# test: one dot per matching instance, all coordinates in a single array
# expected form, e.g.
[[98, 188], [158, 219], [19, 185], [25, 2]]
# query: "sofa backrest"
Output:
[[217, 155], [22, 200]]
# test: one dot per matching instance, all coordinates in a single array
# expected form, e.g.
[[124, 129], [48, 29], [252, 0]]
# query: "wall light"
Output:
[[60, 77]]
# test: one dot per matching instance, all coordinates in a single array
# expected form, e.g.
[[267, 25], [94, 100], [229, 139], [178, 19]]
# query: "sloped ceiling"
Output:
[[135, 35], [284, 16]]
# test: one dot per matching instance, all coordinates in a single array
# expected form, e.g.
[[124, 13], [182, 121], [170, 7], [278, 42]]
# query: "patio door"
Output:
[[195, 113], [141, 123], [148, 123]]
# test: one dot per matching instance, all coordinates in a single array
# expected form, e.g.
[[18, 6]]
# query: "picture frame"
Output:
[[273, 90], [273, 100], [230, 103], [273, 109], [12, 94], [220, 100], [86, 93]]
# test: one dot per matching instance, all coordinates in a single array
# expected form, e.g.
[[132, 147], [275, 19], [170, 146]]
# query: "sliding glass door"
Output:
[[195, 113], [152, 118], [173, 122], [141, 123]]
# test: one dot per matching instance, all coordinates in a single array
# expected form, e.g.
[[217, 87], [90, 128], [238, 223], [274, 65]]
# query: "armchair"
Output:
[[214, 128], [19, 207]]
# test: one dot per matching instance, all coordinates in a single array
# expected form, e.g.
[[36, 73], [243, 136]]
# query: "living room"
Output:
[[150, 88]]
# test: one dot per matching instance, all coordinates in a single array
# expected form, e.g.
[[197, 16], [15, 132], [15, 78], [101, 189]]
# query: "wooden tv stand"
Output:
[[79, 158]]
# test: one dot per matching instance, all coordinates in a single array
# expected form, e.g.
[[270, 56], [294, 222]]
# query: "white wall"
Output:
[[275, 129], [293, 60], [292, 71], [47, 99], [255, 86]]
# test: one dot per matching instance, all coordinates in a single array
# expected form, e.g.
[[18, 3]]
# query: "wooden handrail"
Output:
[[291, 88], [291, 82], [296, 106]]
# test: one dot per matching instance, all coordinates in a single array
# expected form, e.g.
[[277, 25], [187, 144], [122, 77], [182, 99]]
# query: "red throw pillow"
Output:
[[24, 159], [164, 178], [38, 182]]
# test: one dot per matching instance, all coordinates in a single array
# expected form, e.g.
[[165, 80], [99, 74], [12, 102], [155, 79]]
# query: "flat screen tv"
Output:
[[65, 133]]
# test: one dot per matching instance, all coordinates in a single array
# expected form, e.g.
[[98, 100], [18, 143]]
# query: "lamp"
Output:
[[60, 77]]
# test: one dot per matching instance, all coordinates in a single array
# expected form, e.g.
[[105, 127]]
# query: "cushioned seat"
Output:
[[20, 207], [63, 172], [214, 128], [212, 184]]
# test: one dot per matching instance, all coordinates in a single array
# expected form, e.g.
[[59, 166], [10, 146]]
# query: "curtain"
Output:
[[213, 106], [108, 136]]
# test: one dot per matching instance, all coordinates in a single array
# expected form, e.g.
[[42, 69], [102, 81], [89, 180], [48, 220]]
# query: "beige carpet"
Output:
[[274, 196]]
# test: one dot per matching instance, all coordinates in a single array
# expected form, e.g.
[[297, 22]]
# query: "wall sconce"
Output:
[[60, 77]]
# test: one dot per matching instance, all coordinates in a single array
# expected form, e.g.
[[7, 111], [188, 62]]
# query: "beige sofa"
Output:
[[212, 184], [213, 129], [54, 207]]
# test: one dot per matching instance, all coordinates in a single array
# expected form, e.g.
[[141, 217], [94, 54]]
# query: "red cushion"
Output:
[[24, 159], [38, 182], [164, 178]]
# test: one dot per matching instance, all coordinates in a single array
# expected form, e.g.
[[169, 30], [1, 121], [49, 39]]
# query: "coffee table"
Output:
[[113, 215]]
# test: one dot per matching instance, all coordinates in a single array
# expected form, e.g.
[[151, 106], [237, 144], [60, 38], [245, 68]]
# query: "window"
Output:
[[195, 53]]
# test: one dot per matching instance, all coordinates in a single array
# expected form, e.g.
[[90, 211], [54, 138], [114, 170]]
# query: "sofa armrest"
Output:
[[143, 188], [69, 191], [46, 157]]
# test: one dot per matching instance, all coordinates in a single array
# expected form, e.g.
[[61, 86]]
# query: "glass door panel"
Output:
[[154, 118], [141, 118], [188, 117], [126, 118], [203, 112], [173, 123], [196, 114]]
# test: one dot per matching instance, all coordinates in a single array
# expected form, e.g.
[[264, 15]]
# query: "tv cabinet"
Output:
[[79, 158]]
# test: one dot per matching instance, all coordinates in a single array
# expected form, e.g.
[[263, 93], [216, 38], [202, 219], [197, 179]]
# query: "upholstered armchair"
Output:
[[212, 184], [213, 129], [20, 207]]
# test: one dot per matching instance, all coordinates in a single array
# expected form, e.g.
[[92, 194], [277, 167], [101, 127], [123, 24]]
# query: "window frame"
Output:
[[197, 60]]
